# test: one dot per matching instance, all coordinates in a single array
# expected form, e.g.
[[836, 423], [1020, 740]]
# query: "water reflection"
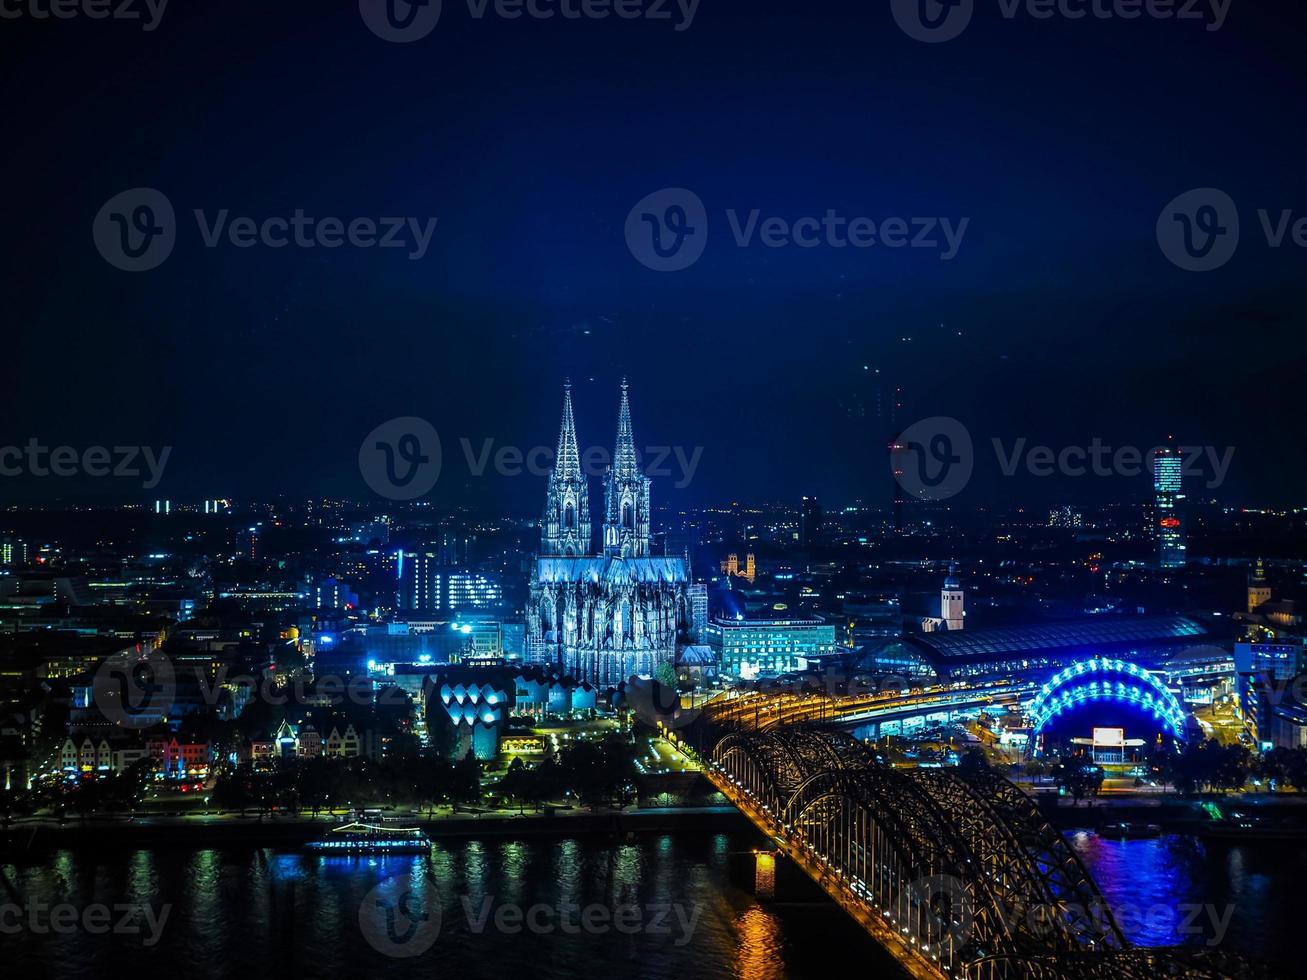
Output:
[[1177, 890], [256, 912], [758, 956]]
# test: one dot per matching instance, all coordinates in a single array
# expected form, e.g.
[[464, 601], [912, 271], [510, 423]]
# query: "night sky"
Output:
[[1059, 319]]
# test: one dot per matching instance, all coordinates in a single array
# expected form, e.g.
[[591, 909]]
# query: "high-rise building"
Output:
[[1066, 516], [426, 583], [697, 594], [1168, 464], [13, 552], [810, 516], [951, 601]]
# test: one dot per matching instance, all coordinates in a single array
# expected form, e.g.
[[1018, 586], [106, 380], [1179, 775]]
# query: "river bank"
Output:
[[223, 830]]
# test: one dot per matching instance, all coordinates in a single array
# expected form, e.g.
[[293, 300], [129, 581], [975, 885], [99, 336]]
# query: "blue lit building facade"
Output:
[[425, 583], [748, 649]]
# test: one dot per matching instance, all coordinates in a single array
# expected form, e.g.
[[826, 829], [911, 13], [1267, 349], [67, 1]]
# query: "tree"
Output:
[[1079, 777], [465, 784], [973, 761], [516, 784]]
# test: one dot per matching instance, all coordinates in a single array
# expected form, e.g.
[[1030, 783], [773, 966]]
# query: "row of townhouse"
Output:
[[169, 756], [305, 741]]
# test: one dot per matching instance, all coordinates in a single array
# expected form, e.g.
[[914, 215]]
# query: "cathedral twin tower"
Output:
[[566, 524], [602, 617]]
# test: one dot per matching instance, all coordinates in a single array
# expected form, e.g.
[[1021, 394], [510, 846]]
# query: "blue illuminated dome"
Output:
[[1107, 680]]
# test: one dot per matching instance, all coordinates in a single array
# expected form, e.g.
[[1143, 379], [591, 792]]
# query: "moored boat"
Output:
[[1129, 830], [362, 838]]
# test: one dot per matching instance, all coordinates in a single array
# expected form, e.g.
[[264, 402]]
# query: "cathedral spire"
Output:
[[626, 493], [567, 461], [624, 458], [565, 526]]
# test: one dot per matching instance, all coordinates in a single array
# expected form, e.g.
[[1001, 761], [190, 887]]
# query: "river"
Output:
[[656, 906]]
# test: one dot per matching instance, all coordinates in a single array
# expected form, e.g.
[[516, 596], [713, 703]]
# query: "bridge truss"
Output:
[[959, 874]]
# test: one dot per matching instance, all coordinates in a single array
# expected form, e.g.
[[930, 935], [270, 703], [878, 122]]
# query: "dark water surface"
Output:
[[687, 901], [258, 913], [1178, 889]]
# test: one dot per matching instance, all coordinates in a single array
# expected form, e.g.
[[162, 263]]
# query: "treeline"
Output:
[[590, 772]]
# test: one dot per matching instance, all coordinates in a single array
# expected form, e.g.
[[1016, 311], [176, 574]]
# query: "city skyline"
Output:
[[663, 488]]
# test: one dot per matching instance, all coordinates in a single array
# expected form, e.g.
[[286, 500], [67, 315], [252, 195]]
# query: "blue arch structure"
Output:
[[1107, 680]]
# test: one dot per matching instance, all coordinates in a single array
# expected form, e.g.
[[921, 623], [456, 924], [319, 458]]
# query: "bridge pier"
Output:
[[764, 874]]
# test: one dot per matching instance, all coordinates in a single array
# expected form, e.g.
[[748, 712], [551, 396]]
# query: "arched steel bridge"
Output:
[[958, 875]]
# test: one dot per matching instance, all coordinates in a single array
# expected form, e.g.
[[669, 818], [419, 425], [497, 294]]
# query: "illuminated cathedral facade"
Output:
[[608, 615]]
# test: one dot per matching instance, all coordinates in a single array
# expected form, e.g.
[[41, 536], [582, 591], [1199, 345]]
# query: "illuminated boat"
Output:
[[1126, 830], [363, 838]]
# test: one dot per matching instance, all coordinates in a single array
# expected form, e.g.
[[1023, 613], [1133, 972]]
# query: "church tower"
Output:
[[950, 601], [565, 528], [626, 494], [1259, 590]]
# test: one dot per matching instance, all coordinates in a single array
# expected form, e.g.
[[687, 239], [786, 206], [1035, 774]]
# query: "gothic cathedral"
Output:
[[605, 617]]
